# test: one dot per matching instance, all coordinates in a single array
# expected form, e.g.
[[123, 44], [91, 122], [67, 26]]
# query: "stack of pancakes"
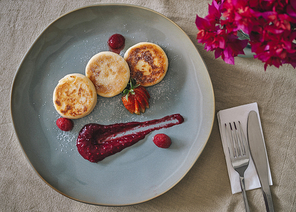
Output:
[[107, 74]]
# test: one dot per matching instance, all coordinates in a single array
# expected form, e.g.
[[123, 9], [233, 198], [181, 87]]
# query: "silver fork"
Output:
[[239, 154]]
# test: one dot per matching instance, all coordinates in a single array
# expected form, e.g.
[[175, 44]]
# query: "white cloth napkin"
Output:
[[239, 113]]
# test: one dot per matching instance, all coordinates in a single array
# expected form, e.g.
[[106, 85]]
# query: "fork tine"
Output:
[[229, 140], [242, 140], [235, 140], [245, 142], [238, 140], [231, 149]]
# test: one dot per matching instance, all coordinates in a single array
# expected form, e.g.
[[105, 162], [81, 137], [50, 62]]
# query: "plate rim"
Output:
[[105, 5]]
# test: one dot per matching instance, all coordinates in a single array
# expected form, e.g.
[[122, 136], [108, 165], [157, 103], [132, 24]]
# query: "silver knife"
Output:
[[258, 152]]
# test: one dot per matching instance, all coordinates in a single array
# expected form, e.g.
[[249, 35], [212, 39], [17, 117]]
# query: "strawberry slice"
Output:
[[141, 104], [145, 91], [129, 104], [135, 98], [137, 107], [143, 98]]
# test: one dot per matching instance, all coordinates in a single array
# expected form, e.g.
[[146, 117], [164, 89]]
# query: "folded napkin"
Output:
[[239, 113]]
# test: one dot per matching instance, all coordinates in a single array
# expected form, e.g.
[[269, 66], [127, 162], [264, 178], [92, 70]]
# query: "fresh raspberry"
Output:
[[116, 41], [162, 140], [65, 124]]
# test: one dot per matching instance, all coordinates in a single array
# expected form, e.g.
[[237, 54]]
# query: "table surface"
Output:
[[206, 186]]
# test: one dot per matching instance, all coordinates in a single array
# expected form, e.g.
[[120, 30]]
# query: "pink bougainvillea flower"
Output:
[[269, 5], [208, 28], [240, 14], [214, 13], [270, 25], [217, 38], [203, 24], [227, 45], [219, 1], [206, 33], [211, 19], [290, 59], [234, 47], [291, 9], [275, 48]]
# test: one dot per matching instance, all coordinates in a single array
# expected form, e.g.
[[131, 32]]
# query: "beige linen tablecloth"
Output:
[[206, 187]]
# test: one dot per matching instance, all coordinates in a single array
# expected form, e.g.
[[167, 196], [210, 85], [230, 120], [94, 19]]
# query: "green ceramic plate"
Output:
[[138, 173]]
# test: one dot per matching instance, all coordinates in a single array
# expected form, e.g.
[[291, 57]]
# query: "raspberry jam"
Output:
[[96, 142], [116, 43]]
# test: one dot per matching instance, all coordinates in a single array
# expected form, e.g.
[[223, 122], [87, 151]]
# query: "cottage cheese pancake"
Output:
[[74, 96], [148, 63], [109, 72]]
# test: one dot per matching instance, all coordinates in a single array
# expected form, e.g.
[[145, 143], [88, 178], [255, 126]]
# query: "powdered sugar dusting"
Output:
[[65, 141]]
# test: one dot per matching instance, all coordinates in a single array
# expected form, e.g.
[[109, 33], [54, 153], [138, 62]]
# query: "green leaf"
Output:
[[130, 88]]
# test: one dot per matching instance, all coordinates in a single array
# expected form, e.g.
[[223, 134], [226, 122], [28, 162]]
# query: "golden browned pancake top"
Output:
[[148, 63], [109, 72], [74, 96]]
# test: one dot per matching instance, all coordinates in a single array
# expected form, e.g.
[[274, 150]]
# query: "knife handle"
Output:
[[268, 199]]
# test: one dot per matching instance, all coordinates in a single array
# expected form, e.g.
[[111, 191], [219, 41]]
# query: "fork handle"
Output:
[[242, 183]]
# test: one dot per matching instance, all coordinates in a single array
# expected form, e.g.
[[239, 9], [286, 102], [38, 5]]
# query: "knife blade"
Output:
[[258, 153]]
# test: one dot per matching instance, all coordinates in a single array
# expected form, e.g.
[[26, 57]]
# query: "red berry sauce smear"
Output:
[[116, 43], [96, 142]]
